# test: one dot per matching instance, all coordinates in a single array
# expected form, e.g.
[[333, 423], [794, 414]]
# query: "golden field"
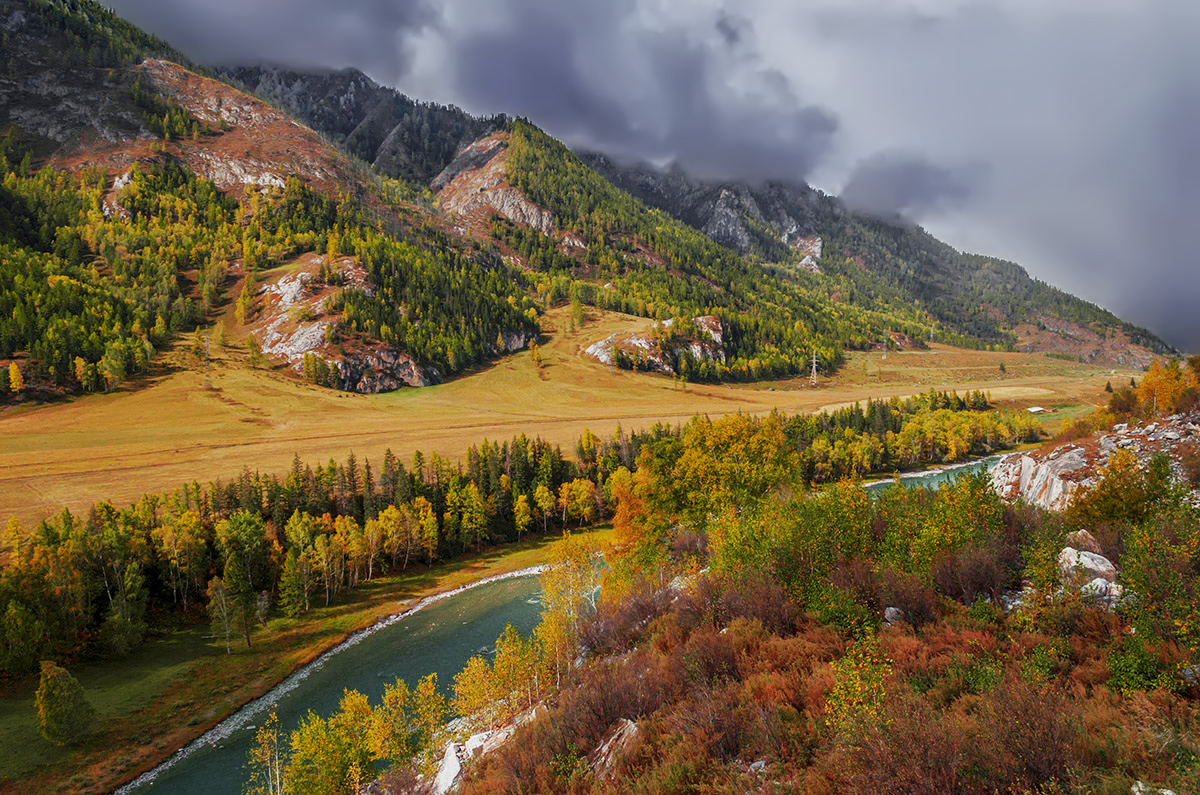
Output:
[[169, 428]]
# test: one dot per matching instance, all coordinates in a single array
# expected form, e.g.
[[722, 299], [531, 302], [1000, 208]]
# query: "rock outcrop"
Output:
[[657, 350], [293, 320], [1076, 566], [1050, 477], [384, 370], [455, 755], [475, 185], [1046, 481], [612, 747]]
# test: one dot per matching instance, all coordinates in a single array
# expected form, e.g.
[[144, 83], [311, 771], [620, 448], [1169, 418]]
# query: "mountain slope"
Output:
[[399, 136], [984, 297], [166, 194], [177, 192], [974, 300], [610, 250]]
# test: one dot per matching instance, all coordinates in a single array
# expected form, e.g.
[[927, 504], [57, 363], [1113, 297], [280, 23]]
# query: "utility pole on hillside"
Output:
[[814, 367]]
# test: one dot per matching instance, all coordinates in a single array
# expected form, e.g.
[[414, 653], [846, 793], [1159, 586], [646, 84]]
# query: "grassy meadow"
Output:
[[169, 427]]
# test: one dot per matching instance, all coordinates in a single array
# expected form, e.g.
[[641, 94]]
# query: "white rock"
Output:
[[476, 742], [1139, 788], [449, 771], [1096, 589], [615, 744], [1074, 565], [892, 615]]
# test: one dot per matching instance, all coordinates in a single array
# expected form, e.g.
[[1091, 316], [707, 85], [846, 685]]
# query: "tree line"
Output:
[[96, 584]]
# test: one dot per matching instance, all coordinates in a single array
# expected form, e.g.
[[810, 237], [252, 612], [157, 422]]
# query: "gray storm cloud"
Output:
[[369, 34], [896, 183], [1079, 118], [602, 73]]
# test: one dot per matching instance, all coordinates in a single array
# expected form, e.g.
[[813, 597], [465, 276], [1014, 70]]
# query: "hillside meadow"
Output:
[[169, 427]]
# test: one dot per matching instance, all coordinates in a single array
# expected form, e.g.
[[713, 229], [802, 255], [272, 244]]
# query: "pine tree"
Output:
[[64, 714], [245, 302], [241, 595], [292, 594], [254, 353]]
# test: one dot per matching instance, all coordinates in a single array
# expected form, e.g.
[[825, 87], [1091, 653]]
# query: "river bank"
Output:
[[179, 686]]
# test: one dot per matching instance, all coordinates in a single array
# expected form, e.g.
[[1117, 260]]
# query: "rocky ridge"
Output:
[[294, 318], [399, 136]]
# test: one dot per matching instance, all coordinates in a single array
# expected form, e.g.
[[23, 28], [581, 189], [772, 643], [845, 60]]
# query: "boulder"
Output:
[[892, 615], [1139, 788], [1084, 541], [1075, 566]]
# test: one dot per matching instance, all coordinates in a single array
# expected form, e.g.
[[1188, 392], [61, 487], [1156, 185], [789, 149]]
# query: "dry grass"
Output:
[[168, 428]]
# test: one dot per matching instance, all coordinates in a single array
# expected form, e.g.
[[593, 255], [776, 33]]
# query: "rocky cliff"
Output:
[[400, 136], [1050, 477], [475, 185]]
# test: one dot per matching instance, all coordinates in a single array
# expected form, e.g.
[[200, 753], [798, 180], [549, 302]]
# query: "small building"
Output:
[[1037, 410]]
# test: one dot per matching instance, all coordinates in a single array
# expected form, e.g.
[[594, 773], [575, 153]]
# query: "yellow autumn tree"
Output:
[[568, 590], [1163, 386], [16, 383]]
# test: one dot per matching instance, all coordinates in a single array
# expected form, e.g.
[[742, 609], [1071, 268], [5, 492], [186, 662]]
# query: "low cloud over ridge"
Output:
[[1063, 135]]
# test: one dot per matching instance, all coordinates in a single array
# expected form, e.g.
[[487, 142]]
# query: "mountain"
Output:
[[983, 297], [399, 242], [144, 199], [972, 299], [399, 136]]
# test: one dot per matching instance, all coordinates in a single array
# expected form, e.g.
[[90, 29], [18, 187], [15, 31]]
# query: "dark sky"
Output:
[[1063, 135]]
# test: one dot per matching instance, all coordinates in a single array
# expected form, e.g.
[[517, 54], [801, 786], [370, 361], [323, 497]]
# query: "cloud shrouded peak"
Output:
[[1061, 135]]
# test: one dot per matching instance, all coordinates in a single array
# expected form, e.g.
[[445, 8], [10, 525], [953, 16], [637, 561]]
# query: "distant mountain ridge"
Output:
[[399, 136], [450, 234], [776, 222], [987, 297]]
